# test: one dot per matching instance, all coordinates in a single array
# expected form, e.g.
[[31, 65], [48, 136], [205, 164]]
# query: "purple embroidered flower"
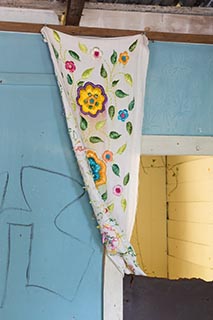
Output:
[[123, 115], [117, 190], [91, 98], [70, 66]]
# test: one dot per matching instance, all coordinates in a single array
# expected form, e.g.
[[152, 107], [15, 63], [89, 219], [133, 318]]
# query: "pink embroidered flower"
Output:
[[117, 190], [96, 53], [107, 156], [70, 66]]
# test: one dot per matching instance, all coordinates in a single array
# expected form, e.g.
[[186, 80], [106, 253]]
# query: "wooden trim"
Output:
[[101, 32], [176, 145], [113, 292]]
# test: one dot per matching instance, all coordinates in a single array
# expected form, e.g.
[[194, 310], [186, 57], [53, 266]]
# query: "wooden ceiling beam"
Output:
[[74, 12], [102, 32]]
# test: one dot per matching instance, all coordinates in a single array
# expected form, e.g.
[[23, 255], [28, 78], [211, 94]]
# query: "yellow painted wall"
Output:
[[149, 235], [182, 245], [190, 217]]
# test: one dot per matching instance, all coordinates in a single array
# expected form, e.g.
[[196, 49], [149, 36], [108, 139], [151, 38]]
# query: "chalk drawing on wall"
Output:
[[39, 244]]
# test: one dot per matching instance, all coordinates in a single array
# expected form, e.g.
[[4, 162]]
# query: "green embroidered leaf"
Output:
[[115, 82], [83, 123], [56, 36], [87, 73], [74, 106], [128, 78], [111, 207], [123, 204], [100, 124], [131, 105], [129, 127], [80, 83], [69, 79], [82, 47], [116, 169], [114, 57], [120, 94], [103, 72], [133, 46], [126, 179], [95, 139], [74, 55], [121, 149], [104, 196], [55, 52], [114, 135], [111, 112]]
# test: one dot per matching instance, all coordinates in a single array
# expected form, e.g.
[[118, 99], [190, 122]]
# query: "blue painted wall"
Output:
[[50, 248], [179, 92], [45, 218]]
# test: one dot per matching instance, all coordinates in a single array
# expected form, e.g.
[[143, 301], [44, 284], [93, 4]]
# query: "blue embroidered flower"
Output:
[[95, 169], [123, 115], [98, 168]]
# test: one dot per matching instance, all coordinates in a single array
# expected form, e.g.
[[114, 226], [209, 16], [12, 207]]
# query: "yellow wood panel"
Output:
[[191, 192], [190, 231], [149, 235], [191, 211], [190, 216], [199, 169], [191, 252], [173, 160], [182, 269]]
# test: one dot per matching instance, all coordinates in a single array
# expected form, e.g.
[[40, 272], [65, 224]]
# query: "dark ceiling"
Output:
[[186, 3]]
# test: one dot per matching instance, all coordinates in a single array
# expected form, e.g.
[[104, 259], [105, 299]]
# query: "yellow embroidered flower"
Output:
[[91, 98], [123, 57], [98, 168]]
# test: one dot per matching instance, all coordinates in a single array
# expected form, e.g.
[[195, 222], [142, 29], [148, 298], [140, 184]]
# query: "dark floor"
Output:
[[162, 299]]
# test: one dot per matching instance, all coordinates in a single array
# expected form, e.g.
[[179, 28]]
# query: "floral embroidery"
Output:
[[123, 115], [123, 57], [98, 168], [96, 53], [107, 156], [117, 190], [94, 105], [70, 66], [109, 239], [91, 98]]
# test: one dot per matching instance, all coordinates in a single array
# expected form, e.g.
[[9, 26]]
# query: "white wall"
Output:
[[28, 15]]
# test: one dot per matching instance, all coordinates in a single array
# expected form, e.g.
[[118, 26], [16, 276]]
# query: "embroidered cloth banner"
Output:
[[102, 83]]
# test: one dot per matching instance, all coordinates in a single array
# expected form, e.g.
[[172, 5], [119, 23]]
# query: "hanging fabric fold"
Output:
[[102, 84]]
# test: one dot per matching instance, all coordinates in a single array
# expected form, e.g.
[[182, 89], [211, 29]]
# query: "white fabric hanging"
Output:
[[102, 83]]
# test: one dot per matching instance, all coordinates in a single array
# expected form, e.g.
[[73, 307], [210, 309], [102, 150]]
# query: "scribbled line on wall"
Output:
[[9, 223]]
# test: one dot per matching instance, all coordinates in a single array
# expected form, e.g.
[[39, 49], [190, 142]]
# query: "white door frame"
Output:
[[150, 145]]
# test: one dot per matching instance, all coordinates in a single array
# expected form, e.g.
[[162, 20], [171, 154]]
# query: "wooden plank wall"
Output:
[[190, 217], [149, 235], [182, 245]]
